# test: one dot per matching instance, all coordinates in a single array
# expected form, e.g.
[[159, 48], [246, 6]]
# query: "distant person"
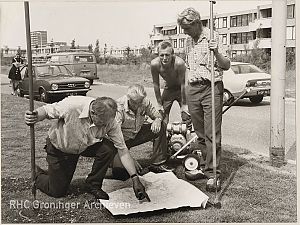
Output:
[[15, 73], [83, 126], [133, 109], [172, 69], [198, 46]]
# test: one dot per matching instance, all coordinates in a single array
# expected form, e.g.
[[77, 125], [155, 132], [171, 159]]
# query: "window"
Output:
[[239, 38], [175, 43], [239, 21], [217, 23], [249, 36], [290, 11], [290, 33], [244, 38], [224, 39], [181, 43], [224, 22], [233, 39], [180, 30], [233, 21], [250, 17], [233, 54], [245, 20]]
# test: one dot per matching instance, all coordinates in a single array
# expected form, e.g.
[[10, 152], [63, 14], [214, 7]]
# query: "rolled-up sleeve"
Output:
[[116, 136], [151, 111], [56, 110]]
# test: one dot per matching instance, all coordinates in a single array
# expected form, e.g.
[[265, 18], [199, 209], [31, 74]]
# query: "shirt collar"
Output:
[[126, 106], [204, 34], [85, 113]]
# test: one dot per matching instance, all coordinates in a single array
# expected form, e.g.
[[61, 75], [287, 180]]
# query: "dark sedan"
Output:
[[52, 81]]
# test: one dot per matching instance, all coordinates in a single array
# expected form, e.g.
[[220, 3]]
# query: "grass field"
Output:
[[257, 193], [130, 74]]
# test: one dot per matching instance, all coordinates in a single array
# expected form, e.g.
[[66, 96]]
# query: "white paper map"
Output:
[[165, 190]]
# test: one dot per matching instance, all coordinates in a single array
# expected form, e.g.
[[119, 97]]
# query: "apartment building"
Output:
[[38, 39], [239, 31]]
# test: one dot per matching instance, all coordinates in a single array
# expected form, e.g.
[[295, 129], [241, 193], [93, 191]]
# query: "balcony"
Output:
[[260, 23]]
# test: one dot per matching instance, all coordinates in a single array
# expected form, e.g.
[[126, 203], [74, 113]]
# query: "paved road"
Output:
[[244, 125]]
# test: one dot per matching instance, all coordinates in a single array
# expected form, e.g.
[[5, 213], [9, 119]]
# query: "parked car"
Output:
[[52, 81], [82, 64], [242, 76]]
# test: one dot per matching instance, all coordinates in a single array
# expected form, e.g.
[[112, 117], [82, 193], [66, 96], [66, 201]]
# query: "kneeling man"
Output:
[[83, 126], [133, 109]]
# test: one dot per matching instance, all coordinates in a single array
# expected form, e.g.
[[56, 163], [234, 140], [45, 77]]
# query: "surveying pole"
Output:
[[278, 71], [31, 103]]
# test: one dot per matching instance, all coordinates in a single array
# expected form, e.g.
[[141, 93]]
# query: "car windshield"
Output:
[[245, 68], [52, 70], [83, 58]]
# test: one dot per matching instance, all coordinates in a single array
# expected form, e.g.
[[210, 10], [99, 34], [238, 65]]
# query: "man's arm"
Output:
[[155, 80], [219, 52], [116, 136], [181, 68], [48, 111]]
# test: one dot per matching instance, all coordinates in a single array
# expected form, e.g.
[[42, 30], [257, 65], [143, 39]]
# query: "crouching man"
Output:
[[84, 127], [132, 111]]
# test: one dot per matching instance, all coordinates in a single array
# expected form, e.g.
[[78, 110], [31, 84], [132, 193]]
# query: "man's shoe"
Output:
[[160, 169], [195, 174], [212, 186], [98, 193]]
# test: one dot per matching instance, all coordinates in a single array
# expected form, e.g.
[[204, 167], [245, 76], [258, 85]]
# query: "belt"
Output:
[[200, 81]]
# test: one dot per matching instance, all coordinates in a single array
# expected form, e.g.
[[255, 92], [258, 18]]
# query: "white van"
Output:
[[82, 64]]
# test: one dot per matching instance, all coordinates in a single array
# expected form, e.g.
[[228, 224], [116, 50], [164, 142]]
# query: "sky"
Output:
[[116, 23]]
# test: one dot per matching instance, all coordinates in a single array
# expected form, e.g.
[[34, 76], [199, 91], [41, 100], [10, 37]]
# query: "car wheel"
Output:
[[91, 81], [43, 96], [256, 99], [227, 97]]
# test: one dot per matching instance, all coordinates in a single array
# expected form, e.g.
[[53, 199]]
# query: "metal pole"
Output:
[[278, 66], [31, 105], [213, 96]]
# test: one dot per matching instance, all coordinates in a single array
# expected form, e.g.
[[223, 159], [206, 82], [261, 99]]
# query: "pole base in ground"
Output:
[[277, 156]]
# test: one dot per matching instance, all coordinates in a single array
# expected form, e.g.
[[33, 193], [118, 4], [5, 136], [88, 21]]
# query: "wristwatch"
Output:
[[133, 175]]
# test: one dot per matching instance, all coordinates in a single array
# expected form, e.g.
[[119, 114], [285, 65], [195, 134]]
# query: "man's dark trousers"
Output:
[[61, 167], [145, 134], [170, 95], [199, 103]]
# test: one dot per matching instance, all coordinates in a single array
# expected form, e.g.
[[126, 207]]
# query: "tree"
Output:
[[145, 55], [104, 53], [90, 47], [73, 44], [97, 51]]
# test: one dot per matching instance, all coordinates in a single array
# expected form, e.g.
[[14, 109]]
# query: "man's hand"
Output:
[[139, 189], [156, 125], [31, 117], [213, 45]]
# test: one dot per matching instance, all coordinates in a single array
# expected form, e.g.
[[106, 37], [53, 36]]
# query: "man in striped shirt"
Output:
[[199, 44]]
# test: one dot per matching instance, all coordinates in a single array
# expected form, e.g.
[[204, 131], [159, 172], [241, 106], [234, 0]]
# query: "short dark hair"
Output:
[[164, 45], [105, 107]]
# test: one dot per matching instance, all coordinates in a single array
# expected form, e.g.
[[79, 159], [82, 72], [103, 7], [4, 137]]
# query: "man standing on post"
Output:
[[199, 99], [133, 109], [172, 69], [83, 126]]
